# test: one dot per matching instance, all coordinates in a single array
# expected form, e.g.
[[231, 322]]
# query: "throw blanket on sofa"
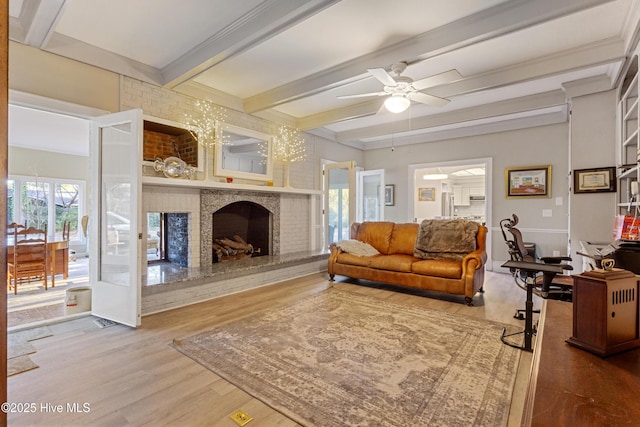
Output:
[[448, 239]]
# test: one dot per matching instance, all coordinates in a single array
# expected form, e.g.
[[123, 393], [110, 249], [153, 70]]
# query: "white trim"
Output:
[[488, 183], [29, 100]]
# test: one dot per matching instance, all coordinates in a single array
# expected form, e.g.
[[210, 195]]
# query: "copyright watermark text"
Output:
[[45, 407]]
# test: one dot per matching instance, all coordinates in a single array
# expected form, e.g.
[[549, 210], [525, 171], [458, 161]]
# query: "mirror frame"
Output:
[[201, 150], [220, 171]]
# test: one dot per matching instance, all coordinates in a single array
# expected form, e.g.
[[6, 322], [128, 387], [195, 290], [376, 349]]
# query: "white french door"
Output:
[[370, 195], [339, 200], [115, 237]]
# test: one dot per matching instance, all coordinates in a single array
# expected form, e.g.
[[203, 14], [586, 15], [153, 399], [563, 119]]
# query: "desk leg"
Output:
[[528, 321]]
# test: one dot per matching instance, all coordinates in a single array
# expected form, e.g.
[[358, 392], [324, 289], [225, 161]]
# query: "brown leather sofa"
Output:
[[396, 264]]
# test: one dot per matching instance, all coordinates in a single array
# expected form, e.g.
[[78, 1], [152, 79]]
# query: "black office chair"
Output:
[[541, 276], [546, 285]]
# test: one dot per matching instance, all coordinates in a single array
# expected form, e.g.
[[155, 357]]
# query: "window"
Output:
[[49, 202]]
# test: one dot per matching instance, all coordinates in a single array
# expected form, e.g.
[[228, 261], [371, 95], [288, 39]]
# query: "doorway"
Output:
[[453, 189]]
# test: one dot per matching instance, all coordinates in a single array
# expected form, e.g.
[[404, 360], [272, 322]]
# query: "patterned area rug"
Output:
[[338, 359]]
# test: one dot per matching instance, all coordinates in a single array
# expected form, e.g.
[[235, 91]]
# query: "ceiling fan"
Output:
[[402, 90]]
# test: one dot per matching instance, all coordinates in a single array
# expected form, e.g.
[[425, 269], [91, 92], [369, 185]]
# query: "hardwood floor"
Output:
[[133, 377]]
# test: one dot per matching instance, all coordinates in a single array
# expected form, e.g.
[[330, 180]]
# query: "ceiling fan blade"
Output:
[[427, 99], [382, 75], [437, 79], [362, 95]]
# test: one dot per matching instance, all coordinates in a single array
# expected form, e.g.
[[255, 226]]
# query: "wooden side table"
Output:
[[605, 312]]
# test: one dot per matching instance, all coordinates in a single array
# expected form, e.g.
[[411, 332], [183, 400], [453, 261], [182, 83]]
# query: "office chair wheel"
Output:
[[519, 315]]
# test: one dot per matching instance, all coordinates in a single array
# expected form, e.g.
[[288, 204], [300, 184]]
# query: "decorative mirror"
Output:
[[243, 154]]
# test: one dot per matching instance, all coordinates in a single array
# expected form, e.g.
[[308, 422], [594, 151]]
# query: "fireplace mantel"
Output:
[[213, 185]]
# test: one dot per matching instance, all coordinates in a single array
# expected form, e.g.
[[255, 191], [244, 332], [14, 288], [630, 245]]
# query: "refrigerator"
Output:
[[447, 209]]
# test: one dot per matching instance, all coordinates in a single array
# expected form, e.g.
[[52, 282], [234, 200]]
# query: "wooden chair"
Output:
[[29, 258]]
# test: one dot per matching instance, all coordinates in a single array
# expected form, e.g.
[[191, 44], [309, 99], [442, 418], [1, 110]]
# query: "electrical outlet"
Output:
[[556, 253], [547, 212]]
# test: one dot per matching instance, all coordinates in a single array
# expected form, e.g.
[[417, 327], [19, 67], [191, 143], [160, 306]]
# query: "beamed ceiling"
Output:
[[290, 60]]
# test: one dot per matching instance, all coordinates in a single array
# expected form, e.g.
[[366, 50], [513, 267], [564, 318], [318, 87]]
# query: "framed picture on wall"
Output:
[[389, 196], [599, 180], [530, 181], [426, 194]]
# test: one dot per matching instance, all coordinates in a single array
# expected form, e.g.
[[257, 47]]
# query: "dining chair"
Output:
[[29, 258]]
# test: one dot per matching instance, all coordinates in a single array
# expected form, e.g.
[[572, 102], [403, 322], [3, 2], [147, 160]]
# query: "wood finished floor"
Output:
[[133, 377]]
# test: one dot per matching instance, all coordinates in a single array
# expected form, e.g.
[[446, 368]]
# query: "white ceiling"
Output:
[[289, 60]]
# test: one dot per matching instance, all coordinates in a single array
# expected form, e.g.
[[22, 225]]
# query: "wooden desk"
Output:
[[571, 387], [58, 260]]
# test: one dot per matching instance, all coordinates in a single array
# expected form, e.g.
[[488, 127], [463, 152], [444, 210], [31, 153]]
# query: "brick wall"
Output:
[[158, 145]]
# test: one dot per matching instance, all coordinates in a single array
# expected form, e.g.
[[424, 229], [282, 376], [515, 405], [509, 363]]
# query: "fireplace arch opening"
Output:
[[240, 230]]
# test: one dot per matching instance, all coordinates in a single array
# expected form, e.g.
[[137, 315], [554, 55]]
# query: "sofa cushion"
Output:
[[349, 259], [439, 268], [403, 239], [446, 239], [398, 262], [377, 234]]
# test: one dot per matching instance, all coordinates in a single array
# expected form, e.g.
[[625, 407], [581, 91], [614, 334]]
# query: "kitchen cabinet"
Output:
[[461, 195]]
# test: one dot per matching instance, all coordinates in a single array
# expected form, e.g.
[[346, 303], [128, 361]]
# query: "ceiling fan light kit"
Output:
[[396, 103], [401, 90]]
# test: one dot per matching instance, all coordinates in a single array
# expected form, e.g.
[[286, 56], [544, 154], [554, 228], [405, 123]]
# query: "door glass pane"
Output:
[[35, 203], [371, 197], [155, 247], [338, 205], [67, 201], [116, 234], [11, 201]]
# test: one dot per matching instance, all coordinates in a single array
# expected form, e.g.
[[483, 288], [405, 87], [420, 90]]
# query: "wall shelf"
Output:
[[628, 169], [213, 185]]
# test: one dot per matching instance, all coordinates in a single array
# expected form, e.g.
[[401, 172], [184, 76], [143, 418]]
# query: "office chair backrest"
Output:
[[517, 249]]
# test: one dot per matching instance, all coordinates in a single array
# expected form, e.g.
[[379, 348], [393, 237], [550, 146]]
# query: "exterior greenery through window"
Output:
[[40, 202]]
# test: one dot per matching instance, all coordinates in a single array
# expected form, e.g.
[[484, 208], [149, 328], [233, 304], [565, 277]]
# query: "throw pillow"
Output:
[[356, 247]]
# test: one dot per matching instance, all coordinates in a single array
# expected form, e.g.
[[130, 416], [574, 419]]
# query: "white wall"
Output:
[[544, 145], [593, 134]]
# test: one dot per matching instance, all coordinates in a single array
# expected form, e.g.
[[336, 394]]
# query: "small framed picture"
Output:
[[389, 196], [427, 194], [530, 181], [598, 180]]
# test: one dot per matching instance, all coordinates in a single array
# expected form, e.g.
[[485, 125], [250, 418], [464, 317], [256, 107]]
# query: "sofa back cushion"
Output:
[[403, 238], [375, 233], [448, 239]]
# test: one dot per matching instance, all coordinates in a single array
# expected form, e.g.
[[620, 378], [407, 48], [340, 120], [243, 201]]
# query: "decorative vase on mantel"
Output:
[[286, 175]]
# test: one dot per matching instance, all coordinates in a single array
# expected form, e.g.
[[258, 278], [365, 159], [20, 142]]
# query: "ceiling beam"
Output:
[[270, 18], [495, 109], [504, 18], [38, 19], [598, 53], [353, 111]]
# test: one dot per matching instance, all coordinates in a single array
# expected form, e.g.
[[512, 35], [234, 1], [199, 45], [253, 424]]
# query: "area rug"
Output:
[[341, 359], [19, 348]]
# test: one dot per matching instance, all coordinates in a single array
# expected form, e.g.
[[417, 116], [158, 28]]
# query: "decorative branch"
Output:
[[205, 128]]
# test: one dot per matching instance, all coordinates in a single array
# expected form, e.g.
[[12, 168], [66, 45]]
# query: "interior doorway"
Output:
[[452, 189]]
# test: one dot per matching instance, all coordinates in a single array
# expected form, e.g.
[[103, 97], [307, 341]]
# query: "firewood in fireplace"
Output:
[[226, 249]]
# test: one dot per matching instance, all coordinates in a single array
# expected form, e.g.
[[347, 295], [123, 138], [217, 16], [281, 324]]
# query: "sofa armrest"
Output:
[[480, 254]]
